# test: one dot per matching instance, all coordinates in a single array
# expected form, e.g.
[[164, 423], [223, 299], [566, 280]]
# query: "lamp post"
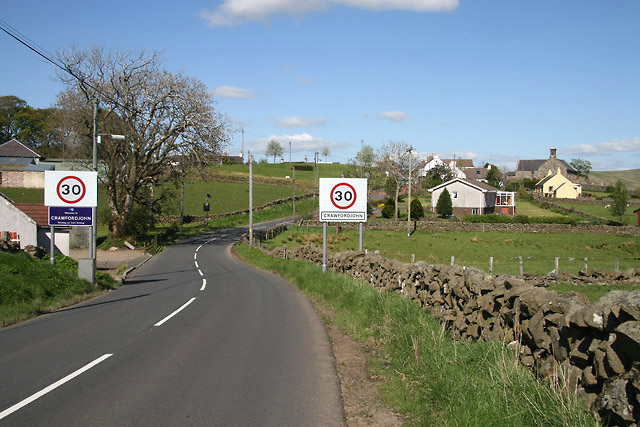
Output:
[[94, 228]]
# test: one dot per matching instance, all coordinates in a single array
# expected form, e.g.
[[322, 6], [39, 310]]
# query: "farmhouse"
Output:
[[538, 169], [556, 185], [27, 224], [475, 198]]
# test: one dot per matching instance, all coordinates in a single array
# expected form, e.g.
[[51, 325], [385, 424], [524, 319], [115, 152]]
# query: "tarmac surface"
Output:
[[112, 261]]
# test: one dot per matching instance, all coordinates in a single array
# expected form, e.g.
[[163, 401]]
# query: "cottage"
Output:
[[556, 185], [457, 166], [475, 198], [27, 224]]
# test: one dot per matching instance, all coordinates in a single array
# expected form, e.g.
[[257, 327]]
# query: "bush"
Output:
[[444, 207], [389, 209], [417, 211]]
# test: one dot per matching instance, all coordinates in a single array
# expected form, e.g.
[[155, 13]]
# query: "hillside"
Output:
[[630, 178]]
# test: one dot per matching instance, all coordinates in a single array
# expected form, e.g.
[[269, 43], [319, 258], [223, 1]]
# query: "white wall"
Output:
[[14, 220]]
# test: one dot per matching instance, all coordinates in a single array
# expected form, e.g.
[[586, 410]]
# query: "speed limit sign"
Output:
[[343, 199], [70, 188]]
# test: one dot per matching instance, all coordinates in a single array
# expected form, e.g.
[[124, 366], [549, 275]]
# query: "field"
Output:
[[538, 251], [529, 209], [599, 210], [630, 178]]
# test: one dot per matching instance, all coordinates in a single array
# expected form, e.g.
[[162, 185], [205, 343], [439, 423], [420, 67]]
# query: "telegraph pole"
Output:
[[250, 201], [409, 203]]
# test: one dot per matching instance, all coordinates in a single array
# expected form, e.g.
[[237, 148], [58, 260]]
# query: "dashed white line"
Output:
[[195, 256], [52, 387], [196, 263], [204, 284], [175, 312], [200, 271], [198, 248]]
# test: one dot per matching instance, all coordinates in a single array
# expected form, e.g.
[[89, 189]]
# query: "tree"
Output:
[[9, 107], [494, 176], [393, 159], [325, 152], [366, 156], [274, 149], [439, 173], [417, 211], [389, 208], [620, 198], [444, 207], [583, 167], [166, 117]]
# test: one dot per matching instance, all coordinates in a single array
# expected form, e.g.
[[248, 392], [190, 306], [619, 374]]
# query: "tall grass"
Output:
[[431, 378], [30, 287]]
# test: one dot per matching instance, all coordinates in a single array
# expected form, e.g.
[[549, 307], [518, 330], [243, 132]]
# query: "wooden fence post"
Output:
[[491, 265], [521, 266], [453, 260], [586, 263], [556, 271]]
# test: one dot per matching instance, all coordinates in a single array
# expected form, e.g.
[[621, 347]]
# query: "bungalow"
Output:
[[556, 185], [475, 198], [28, 224]]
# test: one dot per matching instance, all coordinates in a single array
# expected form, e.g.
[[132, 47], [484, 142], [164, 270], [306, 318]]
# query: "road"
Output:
[[195, 337]]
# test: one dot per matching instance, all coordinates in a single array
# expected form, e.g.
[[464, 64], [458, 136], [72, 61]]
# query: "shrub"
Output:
[[417, 211], [444, 207], [389, 209]]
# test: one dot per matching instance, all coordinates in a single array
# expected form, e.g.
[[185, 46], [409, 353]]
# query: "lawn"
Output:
[[599, 210], [538, 251], [529, 209]]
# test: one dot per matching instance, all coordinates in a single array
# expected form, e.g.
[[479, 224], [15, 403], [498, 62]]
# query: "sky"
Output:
[[495, 80]]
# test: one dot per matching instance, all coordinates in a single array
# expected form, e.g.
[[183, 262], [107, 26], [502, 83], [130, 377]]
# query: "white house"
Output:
[[475, 198], [27, 224], [457, 166]]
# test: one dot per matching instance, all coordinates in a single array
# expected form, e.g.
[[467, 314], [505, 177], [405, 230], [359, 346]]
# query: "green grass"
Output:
[[430, 378], [24, 195], [32, 287], [531, 210], [593, 291], [630, 178], [599, 210], [474, 249]]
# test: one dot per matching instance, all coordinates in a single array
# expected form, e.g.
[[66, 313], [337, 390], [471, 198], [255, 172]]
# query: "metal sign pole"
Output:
[[360, 243], [324, 247], [52, 249]]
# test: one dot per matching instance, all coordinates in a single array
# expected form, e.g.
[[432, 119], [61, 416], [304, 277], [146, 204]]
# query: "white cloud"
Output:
[[233, 92], [394, 116], [239, 12], [299, 122], [305, 80], [605, 148]]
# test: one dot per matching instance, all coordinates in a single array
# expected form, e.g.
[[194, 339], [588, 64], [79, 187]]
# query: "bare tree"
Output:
[[393, 161], [165, 117]]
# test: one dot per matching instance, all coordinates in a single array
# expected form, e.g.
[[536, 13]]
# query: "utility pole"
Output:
[[242, 150], [250, 200], [294, 192], [409, 203], [361, 159], [289, 152]]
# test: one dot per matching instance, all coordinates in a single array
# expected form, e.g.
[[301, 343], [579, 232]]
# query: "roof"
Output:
[[460, 163], [482, 186], [40, 168], [534, 165], [476, 173], [36, 211], [15, 148], [16, 161]]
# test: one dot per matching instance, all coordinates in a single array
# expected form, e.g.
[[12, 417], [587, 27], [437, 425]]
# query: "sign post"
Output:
[[341, 200], [72, 197]]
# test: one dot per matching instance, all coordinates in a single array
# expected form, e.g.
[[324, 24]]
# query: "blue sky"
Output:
[[489, 80]]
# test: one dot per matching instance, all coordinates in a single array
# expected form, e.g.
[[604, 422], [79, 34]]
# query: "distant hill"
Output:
[[630, 178]]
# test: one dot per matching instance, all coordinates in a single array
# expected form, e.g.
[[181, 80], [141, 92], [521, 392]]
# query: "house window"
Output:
[[475, 211], [454, 194]]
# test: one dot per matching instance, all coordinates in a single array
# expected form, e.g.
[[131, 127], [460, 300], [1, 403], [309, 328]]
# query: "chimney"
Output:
[[552, 152]]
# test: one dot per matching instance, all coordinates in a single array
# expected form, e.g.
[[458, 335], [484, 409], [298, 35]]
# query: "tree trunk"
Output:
[[395, 213]]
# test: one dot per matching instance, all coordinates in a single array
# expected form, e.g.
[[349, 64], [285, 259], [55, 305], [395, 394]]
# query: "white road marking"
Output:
[[175, 312], [196, 263], [198, 248], [200, 271], [204, 284], [52, 387], [195, 256]]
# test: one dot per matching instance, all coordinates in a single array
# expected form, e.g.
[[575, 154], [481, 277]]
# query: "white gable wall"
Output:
[[14, 220]]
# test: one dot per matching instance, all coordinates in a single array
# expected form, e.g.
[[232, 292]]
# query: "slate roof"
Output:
[[476, 173], [15, 148], [534, 165]]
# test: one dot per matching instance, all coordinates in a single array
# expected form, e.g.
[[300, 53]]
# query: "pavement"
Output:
[[112, 261]]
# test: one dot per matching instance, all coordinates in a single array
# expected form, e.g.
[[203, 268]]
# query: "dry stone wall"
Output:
[[593, 349]]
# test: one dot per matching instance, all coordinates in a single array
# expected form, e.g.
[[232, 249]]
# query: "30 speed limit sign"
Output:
[[70, 188], [343, 199]]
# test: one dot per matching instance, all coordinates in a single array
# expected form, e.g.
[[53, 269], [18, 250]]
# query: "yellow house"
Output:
[[558, 186]]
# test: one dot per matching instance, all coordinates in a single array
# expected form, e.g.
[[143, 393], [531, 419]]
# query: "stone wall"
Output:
[[593, 349], [440, 226]]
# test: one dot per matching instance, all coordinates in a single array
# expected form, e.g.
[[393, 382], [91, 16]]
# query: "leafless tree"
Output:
[[166, 117], [393, 161]]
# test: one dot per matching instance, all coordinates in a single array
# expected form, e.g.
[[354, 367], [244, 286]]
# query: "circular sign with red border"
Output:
[[71, 189], [343, 195]]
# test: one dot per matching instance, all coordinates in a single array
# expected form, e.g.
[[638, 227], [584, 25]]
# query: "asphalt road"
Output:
[[195, 337]]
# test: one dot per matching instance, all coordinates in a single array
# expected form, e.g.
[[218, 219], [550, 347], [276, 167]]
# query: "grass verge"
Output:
[[31, 287], [429, 377]]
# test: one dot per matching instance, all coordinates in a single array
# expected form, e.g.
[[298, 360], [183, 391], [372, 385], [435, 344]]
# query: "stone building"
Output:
[[539, 168]]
